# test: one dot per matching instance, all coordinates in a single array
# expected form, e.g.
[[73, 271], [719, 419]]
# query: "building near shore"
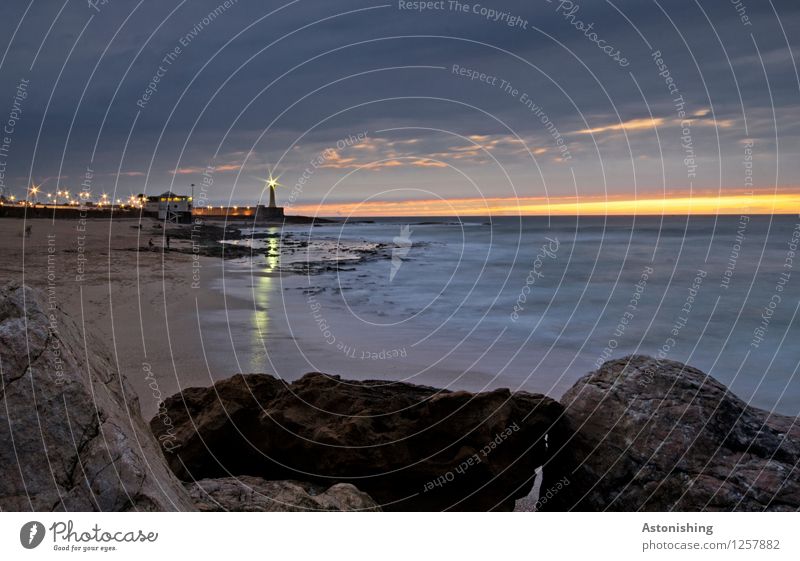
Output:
[[168, 207]]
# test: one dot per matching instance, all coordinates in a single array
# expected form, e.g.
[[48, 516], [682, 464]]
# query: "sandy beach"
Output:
[[142, 303]]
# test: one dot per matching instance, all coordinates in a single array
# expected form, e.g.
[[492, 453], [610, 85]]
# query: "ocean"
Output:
[[528, 303]]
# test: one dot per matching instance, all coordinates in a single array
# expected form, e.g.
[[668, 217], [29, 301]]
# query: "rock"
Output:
[[253, 494], [660, 435], [409, 447], [71, 435]]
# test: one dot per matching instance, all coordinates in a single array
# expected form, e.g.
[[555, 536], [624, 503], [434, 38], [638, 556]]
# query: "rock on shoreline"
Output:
[[71, 435], [253, 494], [409, 447], [661, 435]]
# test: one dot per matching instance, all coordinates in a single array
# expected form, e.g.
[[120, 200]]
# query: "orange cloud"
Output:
[[188, 170], [226, 167], [633, 124], [334, 161], [376, 154], [721, 123], [700, 119]]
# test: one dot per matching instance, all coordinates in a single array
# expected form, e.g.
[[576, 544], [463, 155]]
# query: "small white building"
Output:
[[170, 207]]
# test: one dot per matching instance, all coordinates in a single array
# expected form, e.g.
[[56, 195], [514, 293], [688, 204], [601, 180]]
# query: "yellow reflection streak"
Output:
[[262, 289]]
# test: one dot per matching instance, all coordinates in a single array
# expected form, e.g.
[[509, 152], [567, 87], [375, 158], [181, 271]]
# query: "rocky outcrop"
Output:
[[71, 435], [660, 435], [409, 447], [253, 494], [637, 434]]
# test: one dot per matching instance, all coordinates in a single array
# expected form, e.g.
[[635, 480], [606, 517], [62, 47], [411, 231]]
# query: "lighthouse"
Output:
[[273, 212], [272, 196]]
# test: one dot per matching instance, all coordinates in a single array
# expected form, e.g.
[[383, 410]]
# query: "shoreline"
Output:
[[145, 314]]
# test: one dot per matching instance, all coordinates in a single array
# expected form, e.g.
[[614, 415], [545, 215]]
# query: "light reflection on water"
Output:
[[263, 285]]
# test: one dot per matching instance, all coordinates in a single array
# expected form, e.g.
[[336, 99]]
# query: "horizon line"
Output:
[[755, 204]]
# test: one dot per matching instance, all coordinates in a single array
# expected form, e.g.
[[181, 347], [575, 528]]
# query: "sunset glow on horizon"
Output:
[[757, 203]]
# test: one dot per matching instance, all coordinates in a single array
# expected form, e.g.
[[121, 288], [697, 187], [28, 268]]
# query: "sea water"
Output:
[[533, 303]]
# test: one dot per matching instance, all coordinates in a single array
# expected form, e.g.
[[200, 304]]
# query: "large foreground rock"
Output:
[[71, 435], [253, 494], [409, 447], [665, 436]]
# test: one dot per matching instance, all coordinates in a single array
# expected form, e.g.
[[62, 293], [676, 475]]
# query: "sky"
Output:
[[408, 108]]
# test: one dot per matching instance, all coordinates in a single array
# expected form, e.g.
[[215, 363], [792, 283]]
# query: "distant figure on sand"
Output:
[[150, 244], [27, 231], [167, 242]]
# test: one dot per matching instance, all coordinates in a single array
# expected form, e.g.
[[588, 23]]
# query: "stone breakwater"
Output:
[[637, 433]]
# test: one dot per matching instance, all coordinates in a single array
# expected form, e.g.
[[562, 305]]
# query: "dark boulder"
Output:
[[409, 447], [660, 435]]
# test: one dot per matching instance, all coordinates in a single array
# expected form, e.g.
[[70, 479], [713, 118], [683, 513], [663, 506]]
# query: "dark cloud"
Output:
[[259, 82]]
